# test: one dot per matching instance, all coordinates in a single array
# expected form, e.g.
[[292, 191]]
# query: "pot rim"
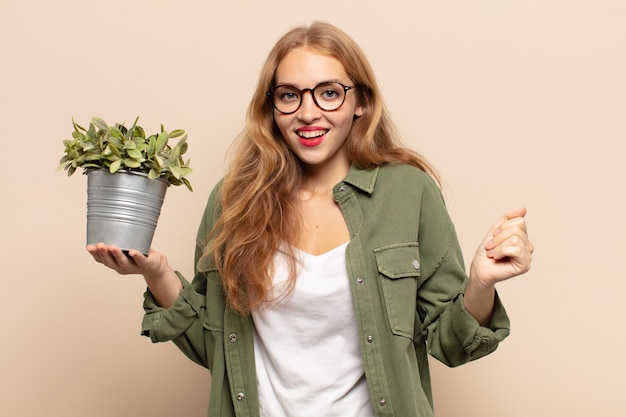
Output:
[[125, 171]]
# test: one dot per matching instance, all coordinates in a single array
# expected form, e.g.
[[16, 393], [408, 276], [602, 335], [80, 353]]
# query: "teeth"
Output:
[[312, 134]]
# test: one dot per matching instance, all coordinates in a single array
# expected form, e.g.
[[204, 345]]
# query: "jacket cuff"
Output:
[[479, 341], [161, 324]]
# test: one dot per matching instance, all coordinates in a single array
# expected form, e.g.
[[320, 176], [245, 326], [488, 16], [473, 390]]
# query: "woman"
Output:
[[327, 265]]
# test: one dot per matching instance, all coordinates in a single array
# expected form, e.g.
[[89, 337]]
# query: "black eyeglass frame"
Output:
[[269, 94]]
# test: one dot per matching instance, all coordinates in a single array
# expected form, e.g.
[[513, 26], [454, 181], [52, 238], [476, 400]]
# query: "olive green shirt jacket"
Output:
[[407, 279]]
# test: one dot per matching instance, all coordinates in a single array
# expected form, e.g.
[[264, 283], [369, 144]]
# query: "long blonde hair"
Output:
[[258, 195]]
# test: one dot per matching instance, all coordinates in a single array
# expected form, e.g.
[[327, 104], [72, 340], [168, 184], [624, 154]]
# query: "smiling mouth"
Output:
[[311, 134]]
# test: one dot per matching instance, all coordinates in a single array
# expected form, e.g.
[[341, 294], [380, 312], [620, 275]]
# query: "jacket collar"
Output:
[[363, 179]]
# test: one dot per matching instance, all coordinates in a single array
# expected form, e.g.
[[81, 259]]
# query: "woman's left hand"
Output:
[[505, 252]]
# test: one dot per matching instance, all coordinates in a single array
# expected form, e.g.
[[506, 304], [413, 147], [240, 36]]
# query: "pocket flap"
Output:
[[206, 264], [398, 260]]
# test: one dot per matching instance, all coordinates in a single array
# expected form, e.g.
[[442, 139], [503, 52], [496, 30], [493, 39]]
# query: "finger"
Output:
[[511, 218], [515, 227], [520, 212], [505, 247], [517, 257], [516, 250], [106, 256], [512, 222], [113, 257], [117, 253], [93, 251], [506, 217], [129, 262], [103, 253], [138, 258]]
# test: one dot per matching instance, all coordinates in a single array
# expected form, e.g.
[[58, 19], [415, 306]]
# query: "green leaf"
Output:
[[62, 165], [187, 183], [183, 147], [161, 142], [94, 156], [153, 174], [139, 132], [100, 124], [107, 151], [124, 131], [116, 132], [116, 142], [176, 171], [175, 154], [115, 166], [131, 131], [151, 146], [135, 154], [87, 146], [91, 133], [140, 146], [129, 144], [132, 163], [91, 165], [176, 133], [77, 127]]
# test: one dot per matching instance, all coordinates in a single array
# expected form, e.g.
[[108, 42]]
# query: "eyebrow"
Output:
[[332, 80]]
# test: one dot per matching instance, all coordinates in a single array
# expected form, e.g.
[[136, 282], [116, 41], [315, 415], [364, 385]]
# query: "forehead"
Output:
[[305, 67]]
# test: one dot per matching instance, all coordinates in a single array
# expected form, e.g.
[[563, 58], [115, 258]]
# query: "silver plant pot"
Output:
[[123, 208]]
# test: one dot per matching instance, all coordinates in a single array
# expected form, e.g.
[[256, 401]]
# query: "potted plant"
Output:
[[127, 176]]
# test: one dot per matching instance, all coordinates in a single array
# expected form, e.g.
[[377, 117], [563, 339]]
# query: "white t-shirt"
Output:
[[308, 360]]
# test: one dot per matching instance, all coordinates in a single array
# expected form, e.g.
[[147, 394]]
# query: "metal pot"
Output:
[[123, 208]]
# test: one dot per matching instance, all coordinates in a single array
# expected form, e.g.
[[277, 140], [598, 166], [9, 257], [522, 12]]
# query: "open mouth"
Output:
[[311, 134]]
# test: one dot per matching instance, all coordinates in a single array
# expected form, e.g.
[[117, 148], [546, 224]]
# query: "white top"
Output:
[[308, 360]]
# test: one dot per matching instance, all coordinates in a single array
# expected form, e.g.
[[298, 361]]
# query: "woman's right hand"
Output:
[[135, 263], [160, 277]]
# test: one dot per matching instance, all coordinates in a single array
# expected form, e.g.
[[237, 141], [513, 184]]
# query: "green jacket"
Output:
[[407, 280]]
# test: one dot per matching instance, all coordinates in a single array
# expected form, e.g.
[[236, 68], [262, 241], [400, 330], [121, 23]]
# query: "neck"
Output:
[[320, 180]]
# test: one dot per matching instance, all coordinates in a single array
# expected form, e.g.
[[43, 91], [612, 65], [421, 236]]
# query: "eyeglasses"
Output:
[[328, 96]]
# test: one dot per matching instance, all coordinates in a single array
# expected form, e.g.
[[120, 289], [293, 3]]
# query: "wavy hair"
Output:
[[260, 213]]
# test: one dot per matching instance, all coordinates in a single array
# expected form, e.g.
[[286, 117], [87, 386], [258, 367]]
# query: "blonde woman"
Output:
[[327, 265]]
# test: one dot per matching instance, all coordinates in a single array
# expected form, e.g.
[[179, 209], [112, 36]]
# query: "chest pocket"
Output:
[[399, 269], [213, 291]]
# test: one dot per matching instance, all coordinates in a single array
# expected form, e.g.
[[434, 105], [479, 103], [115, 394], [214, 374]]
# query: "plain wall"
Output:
[[516, 102]]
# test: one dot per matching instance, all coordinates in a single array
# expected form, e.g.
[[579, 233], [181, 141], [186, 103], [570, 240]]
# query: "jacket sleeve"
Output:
[[184, 322], [454, 336]]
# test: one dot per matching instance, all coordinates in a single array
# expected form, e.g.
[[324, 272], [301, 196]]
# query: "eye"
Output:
[[329, 92], [287, 94]]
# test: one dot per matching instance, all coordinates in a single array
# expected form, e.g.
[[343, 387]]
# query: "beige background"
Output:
[[516, 102]]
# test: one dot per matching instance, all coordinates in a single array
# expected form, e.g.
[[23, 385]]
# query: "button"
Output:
[[342, 188], [359, 280], [382, 402], [232, 337], [416, 264], [370, 339], [241, 396]]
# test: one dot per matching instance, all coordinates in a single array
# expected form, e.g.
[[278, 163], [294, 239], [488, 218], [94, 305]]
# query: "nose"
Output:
[[308, 110]]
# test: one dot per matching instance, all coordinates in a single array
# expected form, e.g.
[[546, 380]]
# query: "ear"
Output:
[[358, 111]]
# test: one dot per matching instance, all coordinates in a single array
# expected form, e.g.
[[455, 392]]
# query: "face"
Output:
[[316, 136]]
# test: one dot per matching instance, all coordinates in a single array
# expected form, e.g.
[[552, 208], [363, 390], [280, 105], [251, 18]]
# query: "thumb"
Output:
[[520, 212], [511, 214]]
